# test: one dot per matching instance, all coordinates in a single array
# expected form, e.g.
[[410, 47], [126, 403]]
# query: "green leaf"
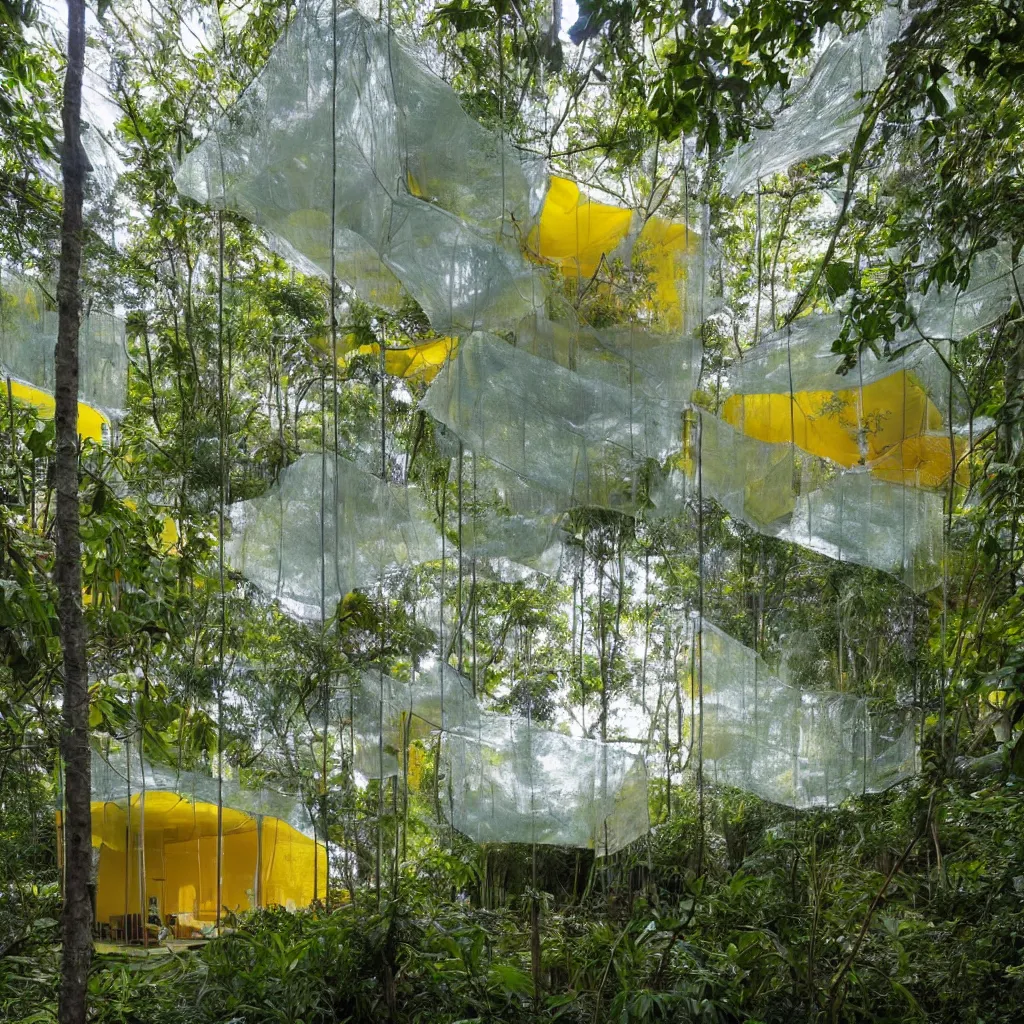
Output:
[[39, 441], [839, 278]]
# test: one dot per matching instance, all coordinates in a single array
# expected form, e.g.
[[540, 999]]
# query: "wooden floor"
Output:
[[155, 948]]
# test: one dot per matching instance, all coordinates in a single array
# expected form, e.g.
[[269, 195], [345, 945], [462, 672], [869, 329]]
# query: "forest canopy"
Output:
[[511, 511]]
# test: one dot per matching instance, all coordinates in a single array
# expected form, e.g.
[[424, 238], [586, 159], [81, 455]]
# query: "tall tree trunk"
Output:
[[77, 914]]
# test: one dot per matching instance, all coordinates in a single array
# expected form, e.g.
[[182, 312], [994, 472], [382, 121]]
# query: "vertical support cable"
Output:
[[220, 560], [700, 639], [143, 895], [383, 627], [474, 607], [127, 832], [322, 646], [458, 599], [333, 313], [440, 634]]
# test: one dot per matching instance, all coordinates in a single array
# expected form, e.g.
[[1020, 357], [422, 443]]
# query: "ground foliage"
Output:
[[906, 906]]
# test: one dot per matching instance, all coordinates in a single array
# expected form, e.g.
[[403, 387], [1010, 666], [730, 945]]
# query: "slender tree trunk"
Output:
[[77, 913]]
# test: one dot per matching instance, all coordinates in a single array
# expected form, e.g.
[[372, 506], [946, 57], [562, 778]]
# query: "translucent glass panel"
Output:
[[802, 748]]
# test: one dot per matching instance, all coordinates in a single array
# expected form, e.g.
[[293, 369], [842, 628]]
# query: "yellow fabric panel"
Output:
[[181, 859], [923, 461], [416, 758], [424, 359], [883, 417], [575, 232], [184, 879], [290, 862], [91, 422], [663, 247]]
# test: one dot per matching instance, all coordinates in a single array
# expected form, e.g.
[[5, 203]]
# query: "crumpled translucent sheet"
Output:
[[28, 337], [534, 542], [579, 439], [639, 361], [506, 779], [425, 196], [823, 111], [369, 526], [514, 782], [802, 748], [118, 774], [852, 516], [858, 518], [388, 713], [951, 314]]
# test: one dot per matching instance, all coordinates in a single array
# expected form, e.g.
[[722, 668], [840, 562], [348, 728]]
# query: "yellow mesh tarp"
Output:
[[421, 360], [265, 862], [890, 425], [92, 424], [666, 247], [576, 233]]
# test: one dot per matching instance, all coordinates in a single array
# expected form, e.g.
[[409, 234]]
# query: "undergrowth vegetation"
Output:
[[910, 907]]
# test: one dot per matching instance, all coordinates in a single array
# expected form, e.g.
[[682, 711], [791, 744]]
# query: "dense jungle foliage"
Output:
[[907, 905]]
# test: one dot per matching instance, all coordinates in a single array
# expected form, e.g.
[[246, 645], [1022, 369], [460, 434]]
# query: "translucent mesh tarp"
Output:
[[800, 358], [898, 417], [427, 202], [28, 337], [856, 517], [951, 314], [157, 832], [890, 425], [531, 541], [424, 195], [822, 112], [853, 516], [579, 439], [506, 779], [639, 361], [326, 516], [388, 713], [116, 774], [511, 781], [802, 748]]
